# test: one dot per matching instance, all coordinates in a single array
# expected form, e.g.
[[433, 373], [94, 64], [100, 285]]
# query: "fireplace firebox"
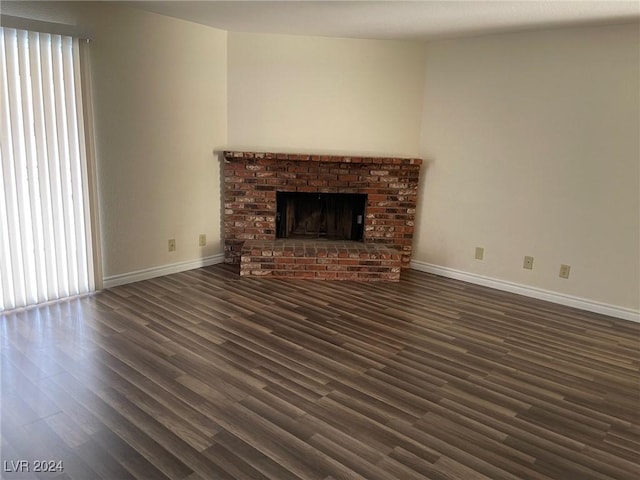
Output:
[[330, 216]]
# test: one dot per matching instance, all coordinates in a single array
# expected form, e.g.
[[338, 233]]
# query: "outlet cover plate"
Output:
[[528, 263]]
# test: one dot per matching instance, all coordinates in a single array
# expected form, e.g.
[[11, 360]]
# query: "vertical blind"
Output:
[[45, 238]]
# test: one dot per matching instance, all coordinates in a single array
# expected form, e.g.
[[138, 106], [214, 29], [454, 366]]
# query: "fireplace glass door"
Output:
[[331, 216]]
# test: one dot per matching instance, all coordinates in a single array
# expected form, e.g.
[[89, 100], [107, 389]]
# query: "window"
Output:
[[45, 237]]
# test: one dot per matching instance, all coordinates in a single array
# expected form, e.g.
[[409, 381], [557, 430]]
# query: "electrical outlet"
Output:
[[564, 271], [479, 253], [172, 245], [202, 240], [528, 263]]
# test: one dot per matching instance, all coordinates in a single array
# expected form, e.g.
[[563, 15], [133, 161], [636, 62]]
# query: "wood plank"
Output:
[[204, 374]]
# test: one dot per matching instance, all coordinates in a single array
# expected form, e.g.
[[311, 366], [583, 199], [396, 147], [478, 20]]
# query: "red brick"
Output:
[[285, 259], [316, 267], [260, 174], [305, 260]]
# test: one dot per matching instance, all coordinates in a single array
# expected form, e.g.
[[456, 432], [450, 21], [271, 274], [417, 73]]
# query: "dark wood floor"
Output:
[[203, 375]]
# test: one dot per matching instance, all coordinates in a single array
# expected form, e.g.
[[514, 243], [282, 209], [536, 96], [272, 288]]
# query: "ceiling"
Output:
[[414, 20]]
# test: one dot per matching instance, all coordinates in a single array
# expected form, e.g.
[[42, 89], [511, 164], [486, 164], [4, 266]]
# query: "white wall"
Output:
[[293, 93], [532, 142], [159, 91]]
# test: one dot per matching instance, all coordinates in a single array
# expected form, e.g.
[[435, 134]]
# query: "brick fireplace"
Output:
[[378, 211]]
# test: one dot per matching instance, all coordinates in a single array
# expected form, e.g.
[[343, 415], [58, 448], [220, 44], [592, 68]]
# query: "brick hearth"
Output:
[[320, 259], [253, 178]]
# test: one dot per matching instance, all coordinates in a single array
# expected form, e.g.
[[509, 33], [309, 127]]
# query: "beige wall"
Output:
[[160, 104], [533, 148], [159, 89], [305, 94]]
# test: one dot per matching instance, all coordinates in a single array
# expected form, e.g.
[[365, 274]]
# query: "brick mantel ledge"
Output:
[[322, 158]]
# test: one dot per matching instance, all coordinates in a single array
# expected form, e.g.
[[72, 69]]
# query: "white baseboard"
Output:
[[562, 299], [124, 278], [554, 297]]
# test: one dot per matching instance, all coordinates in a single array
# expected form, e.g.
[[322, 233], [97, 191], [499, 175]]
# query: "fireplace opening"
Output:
[[331, 216]]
